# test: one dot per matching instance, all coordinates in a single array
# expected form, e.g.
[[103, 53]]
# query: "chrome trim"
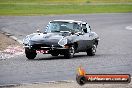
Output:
[[52, 48], [45, 47]]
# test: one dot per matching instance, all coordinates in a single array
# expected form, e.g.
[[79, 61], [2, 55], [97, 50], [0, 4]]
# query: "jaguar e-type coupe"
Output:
[[62, 37]]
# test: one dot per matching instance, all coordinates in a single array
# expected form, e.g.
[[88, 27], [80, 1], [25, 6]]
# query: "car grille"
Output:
[[39, 46], [45, 43]]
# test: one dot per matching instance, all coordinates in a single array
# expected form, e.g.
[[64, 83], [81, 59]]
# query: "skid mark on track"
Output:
[[11, 51]]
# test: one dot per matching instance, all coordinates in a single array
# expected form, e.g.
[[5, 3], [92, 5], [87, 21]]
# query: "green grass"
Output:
[[21, 9], [50, 7], [64, 1]]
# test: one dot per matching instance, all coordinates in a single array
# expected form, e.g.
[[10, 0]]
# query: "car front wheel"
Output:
[[92, 50], [70, 53], [30, 54]]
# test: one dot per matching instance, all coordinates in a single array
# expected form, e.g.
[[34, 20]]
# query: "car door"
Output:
[[80, 42], [85, 40], [89, 35]]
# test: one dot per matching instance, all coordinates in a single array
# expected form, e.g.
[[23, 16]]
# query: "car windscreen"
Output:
[[63, 26]]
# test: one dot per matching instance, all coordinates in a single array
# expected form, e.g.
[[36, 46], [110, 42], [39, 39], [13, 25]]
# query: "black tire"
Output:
[[92, 50], [70, 53], [54, 54], [30, 54]]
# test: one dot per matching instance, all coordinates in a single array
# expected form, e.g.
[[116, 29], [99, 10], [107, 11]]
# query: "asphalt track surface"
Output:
[[114, 53]]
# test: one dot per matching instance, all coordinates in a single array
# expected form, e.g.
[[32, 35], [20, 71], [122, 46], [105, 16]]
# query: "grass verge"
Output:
[[6, 41], [41, 9], [65, 1]]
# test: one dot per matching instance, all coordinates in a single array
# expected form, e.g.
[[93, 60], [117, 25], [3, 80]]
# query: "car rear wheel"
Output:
[[92, 50], [70, 52], [30, 54]]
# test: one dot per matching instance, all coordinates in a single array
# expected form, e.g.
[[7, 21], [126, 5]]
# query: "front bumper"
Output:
[[43, 48], [49, 50]]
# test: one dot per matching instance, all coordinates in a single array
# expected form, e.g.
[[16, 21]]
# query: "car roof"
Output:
[[70, 21]]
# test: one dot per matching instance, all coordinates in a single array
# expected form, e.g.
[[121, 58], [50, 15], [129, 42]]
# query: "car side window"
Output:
[[88, 28], [84, 28], [76, 27]]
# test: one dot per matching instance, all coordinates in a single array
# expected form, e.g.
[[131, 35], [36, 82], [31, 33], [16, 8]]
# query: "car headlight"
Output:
[[26, 40], [62, 42]]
